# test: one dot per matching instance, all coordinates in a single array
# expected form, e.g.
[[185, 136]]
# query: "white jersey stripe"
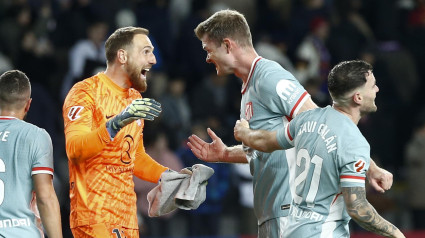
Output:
[[347, 180], [42, 172]]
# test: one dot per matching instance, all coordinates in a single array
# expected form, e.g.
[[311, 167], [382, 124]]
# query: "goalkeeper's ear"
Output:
[[122, 56]]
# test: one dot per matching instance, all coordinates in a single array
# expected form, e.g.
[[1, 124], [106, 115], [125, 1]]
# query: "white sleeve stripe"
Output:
[[42, 172], [301, 104], [350, 180]]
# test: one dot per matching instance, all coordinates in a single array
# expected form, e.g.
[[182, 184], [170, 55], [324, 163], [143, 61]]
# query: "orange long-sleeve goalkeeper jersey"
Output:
[[101, 170]]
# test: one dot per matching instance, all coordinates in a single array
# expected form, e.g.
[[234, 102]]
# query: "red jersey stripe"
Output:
[[296, 104], [42, 168], [245, 85], [352, 177]]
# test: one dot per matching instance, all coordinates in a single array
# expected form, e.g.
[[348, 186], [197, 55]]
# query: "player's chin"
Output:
[[221, 72], [140, 85]]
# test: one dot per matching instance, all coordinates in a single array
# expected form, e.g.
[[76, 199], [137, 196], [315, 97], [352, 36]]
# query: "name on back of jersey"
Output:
[[4, 135], [323, 131]]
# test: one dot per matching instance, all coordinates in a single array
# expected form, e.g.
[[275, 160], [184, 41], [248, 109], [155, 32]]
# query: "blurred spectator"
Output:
[[13, 25], [415, 161], [312, 56], [414, 40], [125, 17], [350, 32], [87, 56], [205, 220], [219, 94], [5, 63], [248, 221], [189, 61], [303, 12], [273, 49], [156, 145], [36, 59], [314, 87], [273, 17], [154, 15], [176, 113]]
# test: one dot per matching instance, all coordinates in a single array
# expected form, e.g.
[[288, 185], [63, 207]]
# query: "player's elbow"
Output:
[[77, 150], [74, 155]]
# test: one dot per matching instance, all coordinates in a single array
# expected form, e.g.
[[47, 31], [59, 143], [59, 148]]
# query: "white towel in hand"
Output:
[[185, 190]]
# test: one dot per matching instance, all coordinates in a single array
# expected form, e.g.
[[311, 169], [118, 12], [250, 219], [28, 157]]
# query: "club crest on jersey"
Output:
[[249, 112], [285, 89], [74, 112], [359, 166]]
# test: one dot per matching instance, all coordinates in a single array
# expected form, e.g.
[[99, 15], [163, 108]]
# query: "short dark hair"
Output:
[[15, 89], [347, 76], [121, 39], [225, 23]]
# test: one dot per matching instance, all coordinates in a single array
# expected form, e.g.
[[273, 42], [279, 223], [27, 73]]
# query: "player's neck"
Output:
[[350, 112], [117, 75], [244, 62], [16, 114]]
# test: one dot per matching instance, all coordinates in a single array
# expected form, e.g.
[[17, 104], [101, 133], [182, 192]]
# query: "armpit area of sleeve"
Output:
[[83, 145]]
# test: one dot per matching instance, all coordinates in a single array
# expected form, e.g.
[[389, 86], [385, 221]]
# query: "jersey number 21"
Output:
[[302, 176]]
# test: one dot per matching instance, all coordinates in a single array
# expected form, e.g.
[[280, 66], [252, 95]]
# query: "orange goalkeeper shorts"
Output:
[[103, 230]]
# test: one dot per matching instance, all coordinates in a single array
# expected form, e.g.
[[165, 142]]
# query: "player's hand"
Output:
[[239, 129], [380, 179], [141, 108], [208, 152]]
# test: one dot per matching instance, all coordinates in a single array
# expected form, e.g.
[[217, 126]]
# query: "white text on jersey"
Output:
[[4, 135], [322, 130]]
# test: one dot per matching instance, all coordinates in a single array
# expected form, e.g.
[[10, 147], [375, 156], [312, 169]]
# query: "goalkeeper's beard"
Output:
[[135, 80]]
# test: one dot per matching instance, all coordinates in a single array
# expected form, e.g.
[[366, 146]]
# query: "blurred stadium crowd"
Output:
[[59, 42]]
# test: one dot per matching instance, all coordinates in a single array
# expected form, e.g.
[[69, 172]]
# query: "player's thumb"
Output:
[[376, 186]]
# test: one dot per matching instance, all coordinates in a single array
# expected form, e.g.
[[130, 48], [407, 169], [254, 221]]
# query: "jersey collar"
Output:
[[7, 118], [254, 63]]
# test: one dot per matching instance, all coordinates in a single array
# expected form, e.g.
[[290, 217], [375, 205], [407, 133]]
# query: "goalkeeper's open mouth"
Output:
[[144, 72]]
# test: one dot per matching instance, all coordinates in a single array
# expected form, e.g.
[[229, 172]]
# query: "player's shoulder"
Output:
[[270, 66], [87, 84], [30, 130], [83, 90]]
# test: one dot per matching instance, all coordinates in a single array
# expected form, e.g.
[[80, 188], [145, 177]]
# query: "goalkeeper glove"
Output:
[[141, 108]]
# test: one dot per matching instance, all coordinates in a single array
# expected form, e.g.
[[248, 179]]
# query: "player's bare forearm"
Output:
[[234, 154], [48, 205], [261, 140], [365, 215]]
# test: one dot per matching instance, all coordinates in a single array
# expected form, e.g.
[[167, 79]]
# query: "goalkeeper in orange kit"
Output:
[[104, 119]]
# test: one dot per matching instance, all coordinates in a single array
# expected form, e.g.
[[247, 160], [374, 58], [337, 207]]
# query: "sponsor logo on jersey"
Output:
[[359, 166], [286, 90], [14, 222], [74, 112], [249, 112]]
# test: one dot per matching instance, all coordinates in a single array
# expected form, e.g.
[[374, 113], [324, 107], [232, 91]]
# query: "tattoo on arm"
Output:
[[363, 212]]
